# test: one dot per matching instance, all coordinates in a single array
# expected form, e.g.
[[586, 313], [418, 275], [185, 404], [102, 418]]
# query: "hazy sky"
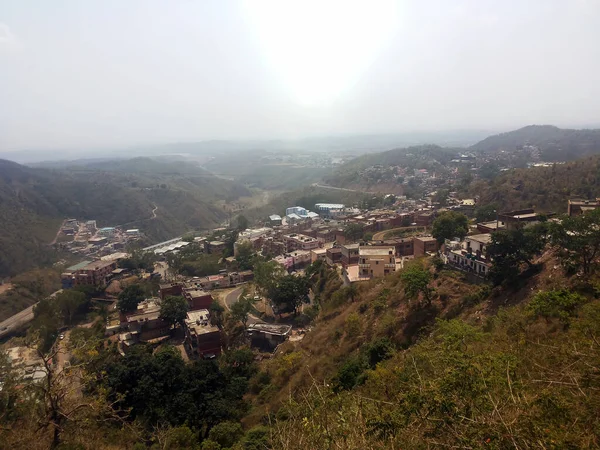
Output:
[[108, 73]]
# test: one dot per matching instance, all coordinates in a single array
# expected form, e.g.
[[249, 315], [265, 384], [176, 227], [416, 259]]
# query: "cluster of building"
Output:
[[202, 338], [27, 364], [85, 238], [93, 272]]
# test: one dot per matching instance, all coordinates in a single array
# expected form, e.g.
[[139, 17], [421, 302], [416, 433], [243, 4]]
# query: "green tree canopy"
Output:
[[242, 222], [486, 213], [509, 249], [245, 255], [130, 298], [69, 304], [354, 231], [578, 240], [217, 312], [173, 309], [290, 292], [416, 281], [241, 309], [449, 225], [266, 276]]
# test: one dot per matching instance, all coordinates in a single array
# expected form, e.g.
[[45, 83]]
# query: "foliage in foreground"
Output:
[[522, 380]]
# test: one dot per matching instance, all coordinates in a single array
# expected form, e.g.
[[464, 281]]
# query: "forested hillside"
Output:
[[372, 172], [354, 175], [545, 188], [556, 144], [34, 201]]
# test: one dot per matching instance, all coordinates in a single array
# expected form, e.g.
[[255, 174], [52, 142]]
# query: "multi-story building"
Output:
[[167, 289], [201, 338], [95, 273], [297, 241], [214, 247], [333, 255], [326, 209], [470, 255], [349, 254], [376, 262], [518, 219], [197, 299], [425, 245], [577, 207]]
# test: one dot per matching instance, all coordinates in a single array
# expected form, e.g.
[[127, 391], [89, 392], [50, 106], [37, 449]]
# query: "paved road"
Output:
[[19, 319], [380, 235], [325, 186], [233, 297]]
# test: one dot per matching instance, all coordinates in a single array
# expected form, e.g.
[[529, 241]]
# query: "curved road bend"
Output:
[[233, 297]]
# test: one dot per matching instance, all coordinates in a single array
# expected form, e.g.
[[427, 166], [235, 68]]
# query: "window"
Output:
[[376, 263]]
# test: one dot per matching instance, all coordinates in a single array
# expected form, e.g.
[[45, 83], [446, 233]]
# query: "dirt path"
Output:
[[5, 287], [57, 233]]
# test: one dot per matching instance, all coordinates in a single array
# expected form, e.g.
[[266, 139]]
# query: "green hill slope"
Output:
[[545, 188], [34, 201]]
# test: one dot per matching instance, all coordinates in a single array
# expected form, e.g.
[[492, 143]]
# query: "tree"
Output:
[[266, 276], [241, 309], [449, 225], [416, 281], [130, 298], [354, 231], [226, 434], [486, 213], [244, 256], [510, 249], [441, 196], [173, 309], [69, 303], [216, 314], [578, 240], [290, 292], [242, 222], [352, 291]]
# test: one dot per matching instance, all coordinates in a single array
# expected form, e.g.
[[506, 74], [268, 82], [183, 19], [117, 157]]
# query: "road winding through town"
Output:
[[232, 297]]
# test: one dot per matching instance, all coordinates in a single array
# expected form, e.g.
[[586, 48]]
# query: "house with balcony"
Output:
[[470, 254], [376, 262], [202, 339]]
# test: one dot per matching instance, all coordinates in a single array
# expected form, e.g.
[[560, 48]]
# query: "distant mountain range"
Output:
[[203, 150], [35, 200], [555, 144]]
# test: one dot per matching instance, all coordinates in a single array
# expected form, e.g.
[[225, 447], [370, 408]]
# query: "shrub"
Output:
[[353, 325], [226, 433], [378, 351], [559, 304]]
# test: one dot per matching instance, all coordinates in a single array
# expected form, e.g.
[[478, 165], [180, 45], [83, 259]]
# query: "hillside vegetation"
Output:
[[545, 188], [475, 368], [35, 200], [353, 175], [555, 144]]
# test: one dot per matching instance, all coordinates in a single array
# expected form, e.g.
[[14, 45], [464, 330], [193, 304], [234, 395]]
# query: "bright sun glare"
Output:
[[321, 47]]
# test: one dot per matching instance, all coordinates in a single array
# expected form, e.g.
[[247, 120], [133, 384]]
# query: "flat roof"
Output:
[[373, 251], [484, 238], [196, 292], [425, 238], [97, 265], [217, 243], [199, 322], [281, 330], [78, 266]]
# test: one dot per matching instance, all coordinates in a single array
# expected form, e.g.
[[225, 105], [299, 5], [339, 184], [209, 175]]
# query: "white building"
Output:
[[470, 255]]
